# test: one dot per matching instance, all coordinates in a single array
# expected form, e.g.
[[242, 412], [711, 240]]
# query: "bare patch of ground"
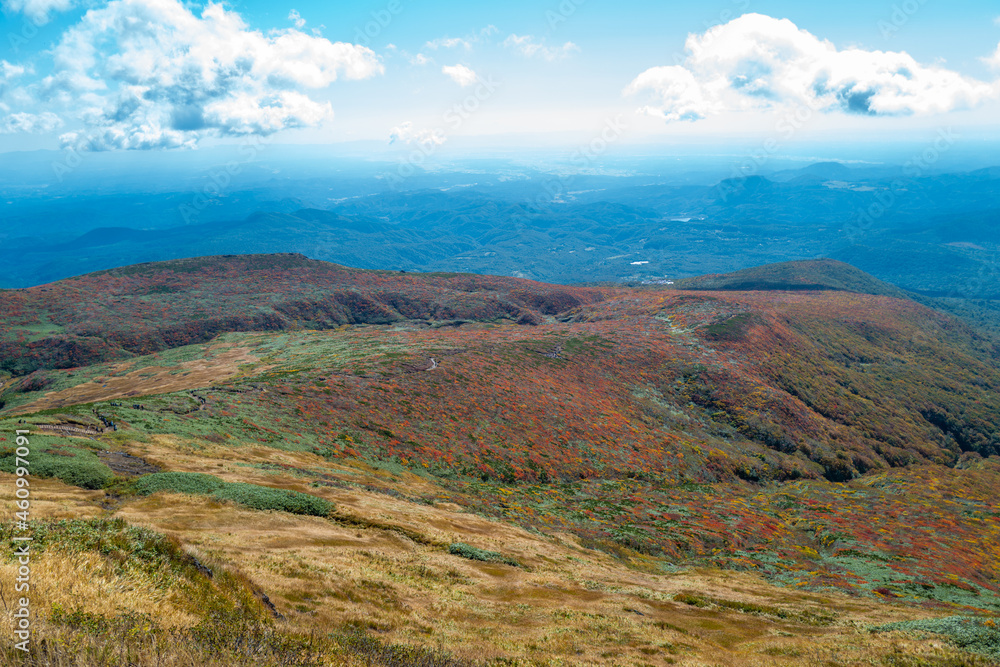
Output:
[[123, 463]]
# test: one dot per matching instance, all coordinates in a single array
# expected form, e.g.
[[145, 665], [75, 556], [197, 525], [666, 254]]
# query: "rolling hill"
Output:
[[156, 306], [813, 275]]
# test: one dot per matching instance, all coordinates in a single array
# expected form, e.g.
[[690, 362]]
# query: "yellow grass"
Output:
[[148, 380], [381, 564]]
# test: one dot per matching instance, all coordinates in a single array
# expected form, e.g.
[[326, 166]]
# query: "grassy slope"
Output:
[[382, 565]]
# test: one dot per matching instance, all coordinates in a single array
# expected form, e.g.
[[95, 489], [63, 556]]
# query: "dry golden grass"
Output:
[[382, 564], [88, 580], [149, 380], [51, 499], [573, 607]]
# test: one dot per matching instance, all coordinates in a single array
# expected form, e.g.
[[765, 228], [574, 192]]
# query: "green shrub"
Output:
[[79, 467], [972, 634], [178, 482], [732, 329], [473, 553], [267, 498], [249, 495], [127, 548]]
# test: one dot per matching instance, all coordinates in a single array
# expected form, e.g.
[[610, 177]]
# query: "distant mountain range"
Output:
[[935, 235]]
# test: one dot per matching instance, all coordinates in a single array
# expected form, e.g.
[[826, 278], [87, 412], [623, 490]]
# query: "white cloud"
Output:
[[529, 48], [682, 96], [38, 10], [460, 74], [149, 73], [297, 19], [406, 133], [756, 62], [448, 43], [462, 42], [9, 71], [29, 122], [994, 60], [420, 59]]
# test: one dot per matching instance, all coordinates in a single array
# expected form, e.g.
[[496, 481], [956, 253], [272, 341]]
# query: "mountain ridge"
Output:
[[807, 274]]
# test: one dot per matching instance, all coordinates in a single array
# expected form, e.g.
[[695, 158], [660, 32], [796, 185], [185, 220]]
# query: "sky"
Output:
[[148, 75]]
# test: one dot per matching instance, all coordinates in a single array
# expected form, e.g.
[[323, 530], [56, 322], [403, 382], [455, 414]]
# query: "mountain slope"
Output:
[[836, 382], [577, 446]]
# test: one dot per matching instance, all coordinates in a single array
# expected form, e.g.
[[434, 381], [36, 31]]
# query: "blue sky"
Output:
[[155, 74]]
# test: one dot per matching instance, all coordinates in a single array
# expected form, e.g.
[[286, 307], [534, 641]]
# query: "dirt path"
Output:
[[66, 429]]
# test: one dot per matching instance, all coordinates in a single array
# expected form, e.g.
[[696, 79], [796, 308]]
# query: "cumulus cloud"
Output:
[[146, 74], [681, 95], [420, 60], [528, 47], [297, 19], [407, 134], [460, 74], [38, 10], [756, 62], [29, 122]]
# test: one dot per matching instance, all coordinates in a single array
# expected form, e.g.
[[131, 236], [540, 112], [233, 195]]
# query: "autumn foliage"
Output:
[[822, 438]]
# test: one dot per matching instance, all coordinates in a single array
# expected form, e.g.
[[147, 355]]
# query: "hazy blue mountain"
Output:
[[639, 219]]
